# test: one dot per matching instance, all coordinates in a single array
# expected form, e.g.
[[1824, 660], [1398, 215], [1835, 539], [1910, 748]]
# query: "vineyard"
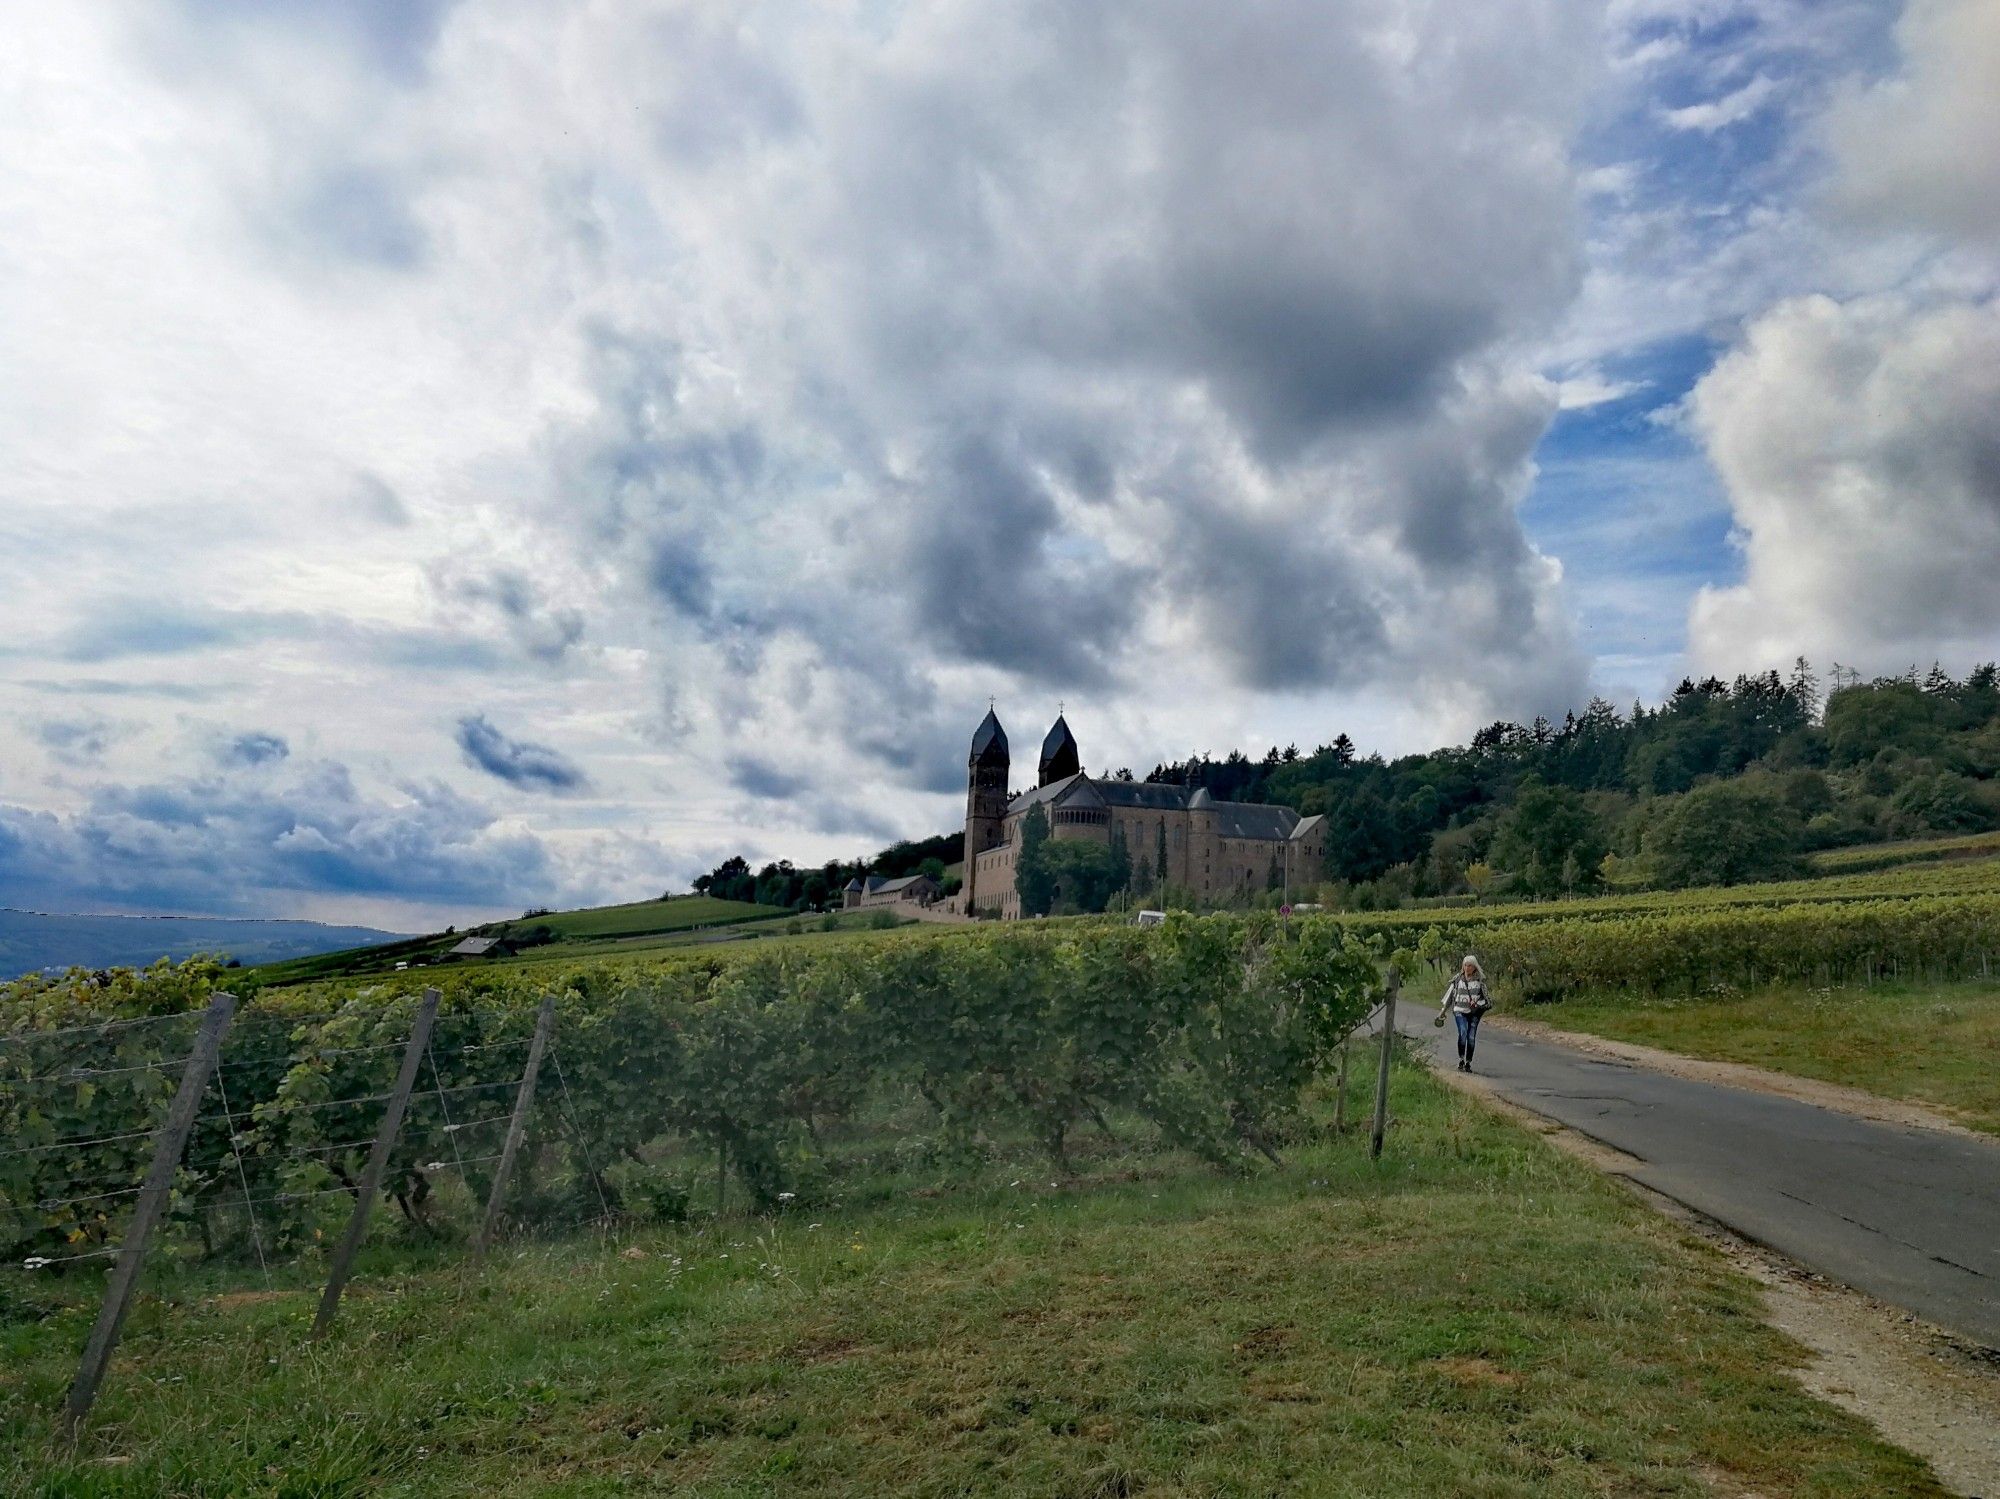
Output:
[[769, 1067]]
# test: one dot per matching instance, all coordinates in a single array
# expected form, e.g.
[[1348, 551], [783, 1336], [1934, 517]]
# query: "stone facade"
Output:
[[1214, 850]]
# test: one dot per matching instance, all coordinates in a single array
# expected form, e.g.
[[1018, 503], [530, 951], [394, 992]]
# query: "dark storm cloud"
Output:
[[116, 631], [542, 628], [762, 779], [1264, 243], [255, 748], [1330, 631], [202, 845], [533, 767], [77, 742], [992, 573]]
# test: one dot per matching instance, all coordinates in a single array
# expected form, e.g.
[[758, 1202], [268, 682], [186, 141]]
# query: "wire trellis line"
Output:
[[83, 1074], [103, 1027], [78, 1144], [50, 1204], [43, 1261]]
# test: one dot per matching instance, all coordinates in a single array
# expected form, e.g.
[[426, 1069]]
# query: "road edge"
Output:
[[1837, 1097], [1923, 1389]]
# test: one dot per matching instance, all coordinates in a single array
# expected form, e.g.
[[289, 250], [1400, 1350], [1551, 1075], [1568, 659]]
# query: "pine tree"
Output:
[[1804, 688]]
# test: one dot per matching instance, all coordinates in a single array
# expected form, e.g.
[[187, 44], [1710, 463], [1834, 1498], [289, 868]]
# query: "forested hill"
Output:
[[31, 940], [1724, 781]]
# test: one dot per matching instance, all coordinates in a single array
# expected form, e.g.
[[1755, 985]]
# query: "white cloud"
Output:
[[1862, 458], [1857, 436], [1921, 147], [1732, 108]]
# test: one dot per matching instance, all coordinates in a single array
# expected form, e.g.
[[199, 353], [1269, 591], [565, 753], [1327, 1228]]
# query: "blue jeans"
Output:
[[1468, 1035]]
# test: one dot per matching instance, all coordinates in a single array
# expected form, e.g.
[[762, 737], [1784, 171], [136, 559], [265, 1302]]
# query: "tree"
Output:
[[1121, 861], [1863, 721], [1160, 857], [1940, 803], [1034, 881], [1081, 872], [1550, 841], [1725, 833]]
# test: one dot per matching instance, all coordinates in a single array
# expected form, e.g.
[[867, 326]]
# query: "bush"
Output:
[[1727, 833]]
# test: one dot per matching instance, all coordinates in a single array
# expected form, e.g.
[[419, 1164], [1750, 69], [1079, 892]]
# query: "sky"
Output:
[[458, 455]]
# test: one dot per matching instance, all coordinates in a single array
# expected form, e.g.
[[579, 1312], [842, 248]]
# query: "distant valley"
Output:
[[31, 940]]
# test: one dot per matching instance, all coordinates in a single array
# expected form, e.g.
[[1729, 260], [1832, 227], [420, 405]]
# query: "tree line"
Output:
[[1721, 783]]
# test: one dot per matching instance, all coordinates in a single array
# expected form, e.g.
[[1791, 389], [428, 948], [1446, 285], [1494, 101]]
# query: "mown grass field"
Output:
[[645, 917], [1476, 1315], [1936, 1044], [594, 930]]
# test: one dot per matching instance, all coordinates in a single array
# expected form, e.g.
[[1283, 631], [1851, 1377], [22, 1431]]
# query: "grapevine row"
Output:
[[1207, 1028]]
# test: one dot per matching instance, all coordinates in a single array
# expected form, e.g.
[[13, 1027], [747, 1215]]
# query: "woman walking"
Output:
[[1466, 999]]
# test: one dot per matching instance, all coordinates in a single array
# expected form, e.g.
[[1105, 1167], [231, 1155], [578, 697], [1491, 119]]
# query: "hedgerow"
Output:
[[1208, 1028]]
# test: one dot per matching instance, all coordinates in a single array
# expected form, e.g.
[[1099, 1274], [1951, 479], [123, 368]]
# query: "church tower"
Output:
[[1059, 754], [985, 798]]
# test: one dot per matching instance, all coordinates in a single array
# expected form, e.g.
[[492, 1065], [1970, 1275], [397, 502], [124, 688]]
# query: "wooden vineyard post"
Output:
[[1340, 1092], [152, 1200], [1382, 1076], [517, 1125], [378, 1163]]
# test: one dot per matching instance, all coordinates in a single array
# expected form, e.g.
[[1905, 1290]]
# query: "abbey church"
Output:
[[1212, 849]]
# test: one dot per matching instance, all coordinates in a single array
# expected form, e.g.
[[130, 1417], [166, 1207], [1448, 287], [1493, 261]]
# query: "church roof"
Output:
[[1253, 820], [1044, 794], [1307, 824], [1060, 757], [854, 884], [1232, 819], [989, 740], [1155, 796]]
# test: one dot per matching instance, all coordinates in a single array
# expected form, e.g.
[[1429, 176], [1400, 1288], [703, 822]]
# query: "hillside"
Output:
[[595, 930], [31, 940]]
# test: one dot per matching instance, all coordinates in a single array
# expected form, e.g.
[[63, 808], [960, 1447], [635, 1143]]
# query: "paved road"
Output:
[[1909, 1216]]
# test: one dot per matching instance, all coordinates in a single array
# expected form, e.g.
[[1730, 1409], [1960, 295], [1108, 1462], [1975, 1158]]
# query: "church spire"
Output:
[[989, 742], [1060, 757]]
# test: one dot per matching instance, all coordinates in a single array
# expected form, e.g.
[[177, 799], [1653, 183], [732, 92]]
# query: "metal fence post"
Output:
[[1388, 1050], [517, 1126], [378, 1163], [152, 1200]]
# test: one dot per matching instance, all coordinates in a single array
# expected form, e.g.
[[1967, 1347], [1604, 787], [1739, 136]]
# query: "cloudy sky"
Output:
[[457, 454]]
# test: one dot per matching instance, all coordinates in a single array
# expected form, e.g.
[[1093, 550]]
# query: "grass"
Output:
[[597, 930], [1925, 1042], [1475, 1315], [640, 918]]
